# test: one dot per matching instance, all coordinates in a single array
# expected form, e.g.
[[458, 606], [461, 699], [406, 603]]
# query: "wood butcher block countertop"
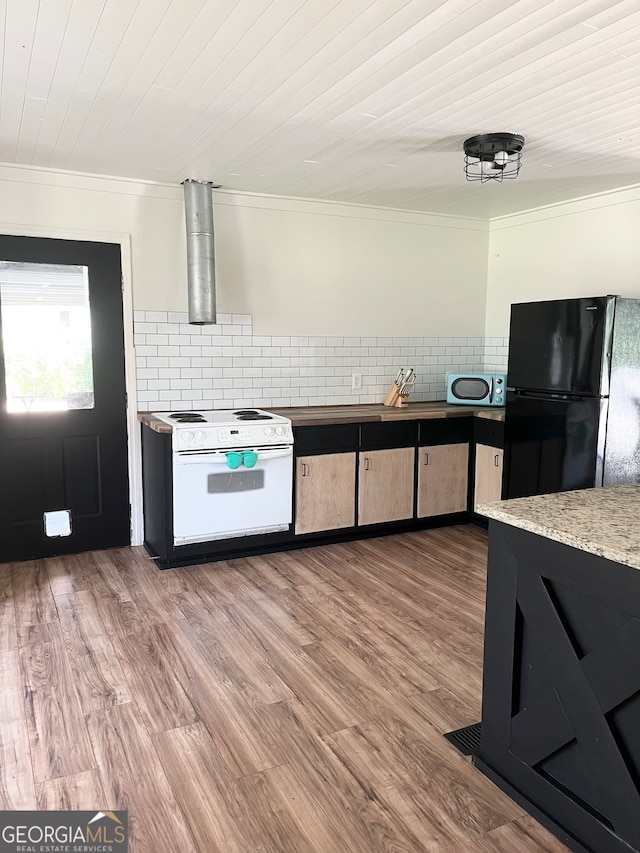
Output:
[[370, 413], [599, 521]]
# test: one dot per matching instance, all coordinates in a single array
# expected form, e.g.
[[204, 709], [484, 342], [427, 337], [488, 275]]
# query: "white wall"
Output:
[[298, 267], [582, 248], [311, 268], [36, 200]]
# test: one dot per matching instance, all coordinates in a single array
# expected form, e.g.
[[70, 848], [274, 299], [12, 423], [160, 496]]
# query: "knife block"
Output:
[[395, 398]]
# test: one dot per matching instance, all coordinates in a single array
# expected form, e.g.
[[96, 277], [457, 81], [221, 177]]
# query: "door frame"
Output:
[[134, 450]]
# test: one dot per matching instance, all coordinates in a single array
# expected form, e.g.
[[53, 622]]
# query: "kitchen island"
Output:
[[561, 679]]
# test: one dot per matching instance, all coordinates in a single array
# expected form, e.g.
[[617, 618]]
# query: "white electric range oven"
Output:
[[232, 473]]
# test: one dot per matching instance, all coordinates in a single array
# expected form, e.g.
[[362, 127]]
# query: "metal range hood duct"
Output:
[[201, 270]]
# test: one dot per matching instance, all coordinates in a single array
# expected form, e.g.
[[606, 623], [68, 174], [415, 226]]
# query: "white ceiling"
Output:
[[364, 101]]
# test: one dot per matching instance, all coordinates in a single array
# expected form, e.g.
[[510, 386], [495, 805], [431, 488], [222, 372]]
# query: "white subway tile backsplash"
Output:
[[146, 350], [148, 373], [169, 350], [222, 366], [201, 340]]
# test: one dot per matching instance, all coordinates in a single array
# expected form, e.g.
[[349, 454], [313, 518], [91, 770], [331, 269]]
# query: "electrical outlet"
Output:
[[356, 382]]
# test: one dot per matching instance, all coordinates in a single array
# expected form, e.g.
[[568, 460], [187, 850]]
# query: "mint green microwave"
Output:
[[477, 389]]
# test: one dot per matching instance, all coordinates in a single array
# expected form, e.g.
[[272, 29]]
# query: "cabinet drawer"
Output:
[[325, 439], [488, 432], [378, 436], [456, 430]]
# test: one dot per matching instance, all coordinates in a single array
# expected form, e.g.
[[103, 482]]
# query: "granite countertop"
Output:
[[600, 521], [365, 413]]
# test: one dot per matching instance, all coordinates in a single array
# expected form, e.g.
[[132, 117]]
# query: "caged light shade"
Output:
[[493, 156]]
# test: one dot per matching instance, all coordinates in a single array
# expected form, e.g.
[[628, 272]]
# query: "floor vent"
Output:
[[466, 740]]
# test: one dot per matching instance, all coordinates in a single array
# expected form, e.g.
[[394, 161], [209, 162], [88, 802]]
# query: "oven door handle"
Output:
[[219, 457], [272, 452]]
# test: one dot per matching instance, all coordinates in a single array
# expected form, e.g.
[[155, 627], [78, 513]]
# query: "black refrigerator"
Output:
[[572, 416]]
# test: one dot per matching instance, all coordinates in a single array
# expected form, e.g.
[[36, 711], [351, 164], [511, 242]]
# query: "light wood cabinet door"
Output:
[[443, 479], [385, 486], [488, 474], [325, 492]]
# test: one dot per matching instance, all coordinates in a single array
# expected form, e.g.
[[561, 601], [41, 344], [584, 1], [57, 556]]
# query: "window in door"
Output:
[[46, 333]]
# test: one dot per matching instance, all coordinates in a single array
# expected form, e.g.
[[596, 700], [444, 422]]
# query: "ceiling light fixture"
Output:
[[492, 156]]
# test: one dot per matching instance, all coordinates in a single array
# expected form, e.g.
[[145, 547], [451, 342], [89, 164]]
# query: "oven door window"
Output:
[[236, 481]]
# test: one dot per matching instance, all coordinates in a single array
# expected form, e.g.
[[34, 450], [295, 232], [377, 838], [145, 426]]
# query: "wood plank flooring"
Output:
[[289, 703]]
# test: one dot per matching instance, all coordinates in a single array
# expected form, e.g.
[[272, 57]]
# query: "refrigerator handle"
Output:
[[549, 395]]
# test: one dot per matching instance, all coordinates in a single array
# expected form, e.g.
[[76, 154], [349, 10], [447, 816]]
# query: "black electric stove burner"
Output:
[[188, 418], [251, 415]]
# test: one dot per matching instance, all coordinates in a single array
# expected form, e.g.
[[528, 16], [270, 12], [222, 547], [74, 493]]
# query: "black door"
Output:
[[551, 444], [63, 434], [560, 345]]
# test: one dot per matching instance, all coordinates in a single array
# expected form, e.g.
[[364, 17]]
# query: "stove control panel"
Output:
[[229, 435], [212, 437]]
